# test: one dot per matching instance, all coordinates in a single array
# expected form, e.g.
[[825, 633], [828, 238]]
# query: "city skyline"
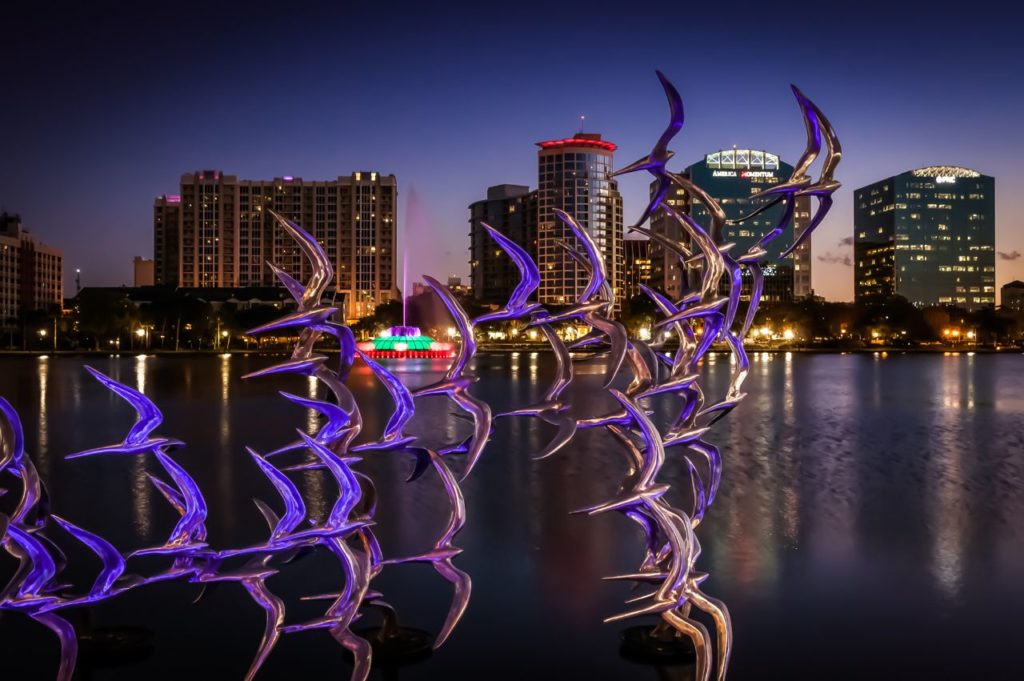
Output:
[[220, 230], [108, 114]]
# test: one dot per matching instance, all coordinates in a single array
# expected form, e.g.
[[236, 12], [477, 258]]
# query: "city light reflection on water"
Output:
[[852, 486], [141, 490], [43, 451]]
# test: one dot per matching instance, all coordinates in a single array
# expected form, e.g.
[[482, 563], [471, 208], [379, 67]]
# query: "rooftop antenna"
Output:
[[78, 281], [582, 118]]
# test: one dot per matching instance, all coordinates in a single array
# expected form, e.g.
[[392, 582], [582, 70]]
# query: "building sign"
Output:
[[746, 174], [945, 179]]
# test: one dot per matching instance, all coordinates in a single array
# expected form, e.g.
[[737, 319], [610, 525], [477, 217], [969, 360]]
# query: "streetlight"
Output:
[[142, 333]]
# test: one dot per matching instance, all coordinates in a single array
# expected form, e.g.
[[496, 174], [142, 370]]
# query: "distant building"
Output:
[[166, 239], [666, 270], [574, 174], [456, 286], [243, 298], [144, 274], [31, 273], [927, 235], [512, 210], [1011, 296], [225, 235], [731, 176], [637, 270]]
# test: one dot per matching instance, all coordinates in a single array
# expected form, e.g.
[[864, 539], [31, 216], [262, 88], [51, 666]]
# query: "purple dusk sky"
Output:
[[104, 108]]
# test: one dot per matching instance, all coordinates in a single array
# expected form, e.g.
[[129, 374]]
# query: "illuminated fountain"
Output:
[[406, 342]]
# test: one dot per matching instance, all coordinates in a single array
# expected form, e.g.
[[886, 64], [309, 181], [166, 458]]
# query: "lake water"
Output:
[[870, 523]]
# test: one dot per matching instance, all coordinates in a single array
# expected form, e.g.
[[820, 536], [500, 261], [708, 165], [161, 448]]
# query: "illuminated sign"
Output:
[[945, 179], [746, 174]]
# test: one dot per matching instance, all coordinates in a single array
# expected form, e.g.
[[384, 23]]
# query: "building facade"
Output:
[[574, 175], [1011, 296], [31, 273], [166, 234], [225, 234], [927, 235], [637, 270], [666, 270], [512, 210], [144, 274], [732, 176]]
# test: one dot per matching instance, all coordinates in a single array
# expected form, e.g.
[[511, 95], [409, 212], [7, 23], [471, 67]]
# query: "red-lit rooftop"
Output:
[[590, 140]]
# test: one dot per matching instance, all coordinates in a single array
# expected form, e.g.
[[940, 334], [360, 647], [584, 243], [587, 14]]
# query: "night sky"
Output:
[[104, 108]]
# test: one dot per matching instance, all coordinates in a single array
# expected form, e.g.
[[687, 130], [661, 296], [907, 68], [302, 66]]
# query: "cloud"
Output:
[[1012, 255], [836, 259], [848, 241]]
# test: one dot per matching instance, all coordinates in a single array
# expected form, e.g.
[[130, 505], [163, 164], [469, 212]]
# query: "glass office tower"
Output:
[[731, 176], [927, 235]]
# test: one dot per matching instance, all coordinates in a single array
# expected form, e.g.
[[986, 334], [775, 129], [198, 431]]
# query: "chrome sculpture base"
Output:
[[397, 646], [656, 645]]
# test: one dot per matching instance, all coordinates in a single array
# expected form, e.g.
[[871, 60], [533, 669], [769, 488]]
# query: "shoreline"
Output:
[[503, 349]]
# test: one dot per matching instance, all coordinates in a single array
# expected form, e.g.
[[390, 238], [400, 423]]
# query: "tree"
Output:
[[639, 312], [104, 315]]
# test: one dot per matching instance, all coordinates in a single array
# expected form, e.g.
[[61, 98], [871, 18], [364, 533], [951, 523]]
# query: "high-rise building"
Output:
[[512, 210], [574, 175], [1011, 296], [666, 270], [732, 176], [927, 235], [226, 236], [166, 234], [31, 273], [144, 271], [637, 270]]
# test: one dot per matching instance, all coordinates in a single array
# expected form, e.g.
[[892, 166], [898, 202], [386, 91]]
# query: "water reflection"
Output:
[[43, 459], [314, 480], [853, 488], [141, 488], [947, 477]]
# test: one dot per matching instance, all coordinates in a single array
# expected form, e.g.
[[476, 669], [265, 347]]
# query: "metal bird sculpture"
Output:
[[517, 306], [138, 440], [455, 384]]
